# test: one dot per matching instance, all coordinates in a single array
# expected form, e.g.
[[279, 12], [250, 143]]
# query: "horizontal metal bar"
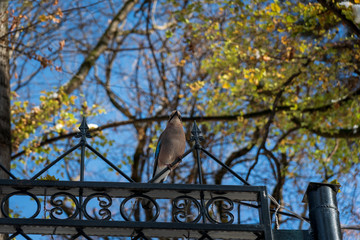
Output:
[[119, 228], [116, 189], [292, 234], [27, 184]]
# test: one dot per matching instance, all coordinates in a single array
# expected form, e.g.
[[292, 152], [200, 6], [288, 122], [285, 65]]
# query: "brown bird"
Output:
[[170, 146]]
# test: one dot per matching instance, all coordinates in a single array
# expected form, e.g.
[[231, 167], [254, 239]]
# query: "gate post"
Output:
[[323, 211]]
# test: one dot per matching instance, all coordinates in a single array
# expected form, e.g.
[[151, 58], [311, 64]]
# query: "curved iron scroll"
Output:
[[185, 209], [104, 212], [224, 208], [8, 196], [182, 208], [145, 200], [59, 203]]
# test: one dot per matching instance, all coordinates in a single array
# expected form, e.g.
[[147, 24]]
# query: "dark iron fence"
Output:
[[136, 210]]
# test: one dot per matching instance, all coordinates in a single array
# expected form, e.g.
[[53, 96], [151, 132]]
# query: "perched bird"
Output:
[[170, 146]]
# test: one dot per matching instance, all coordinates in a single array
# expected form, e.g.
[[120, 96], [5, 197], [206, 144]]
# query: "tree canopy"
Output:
[[274, 86]]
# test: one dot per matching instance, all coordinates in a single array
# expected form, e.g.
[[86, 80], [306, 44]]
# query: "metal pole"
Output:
[[82, 161], [83, 134], [323, 211], [197, 137]]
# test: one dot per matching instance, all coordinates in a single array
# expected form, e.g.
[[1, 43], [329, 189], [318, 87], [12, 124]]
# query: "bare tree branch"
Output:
[[100, 47]]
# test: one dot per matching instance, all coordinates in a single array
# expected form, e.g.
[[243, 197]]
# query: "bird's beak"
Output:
[[178, 115], [175, 114]]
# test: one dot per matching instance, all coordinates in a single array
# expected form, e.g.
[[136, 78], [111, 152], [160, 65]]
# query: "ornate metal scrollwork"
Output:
[[7, 197], [59, 203], [104, 212], [183, 206], [145, 201], [224, 207]]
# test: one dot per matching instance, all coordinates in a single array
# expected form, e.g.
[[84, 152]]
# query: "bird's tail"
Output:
[[163, 176], [147, 204]]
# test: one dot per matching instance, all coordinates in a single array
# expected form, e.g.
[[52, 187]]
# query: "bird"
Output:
[[170, 146]]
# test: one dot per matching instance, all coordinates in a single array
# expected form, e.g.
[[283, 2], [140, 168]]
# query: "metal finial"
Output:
[[196, 134], [84, 130]]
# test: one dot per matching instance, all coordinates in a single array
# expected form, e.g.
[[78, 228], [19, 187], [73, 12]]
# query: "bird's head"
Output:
[[174, 115]]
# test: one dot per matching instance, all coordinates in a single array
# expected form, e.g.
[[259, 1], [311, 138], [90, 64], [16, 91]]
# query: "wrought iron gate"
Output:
[[136, 210]]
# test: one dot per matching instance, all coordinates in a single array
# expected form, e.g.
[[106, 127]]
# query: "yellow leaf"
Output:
[[59, 12], [275, 7], [284, 40], [270, 28], [49, 178], [196, 86], [43, 18], [200, 107], [266, 58], [182, 63], [226, 85]]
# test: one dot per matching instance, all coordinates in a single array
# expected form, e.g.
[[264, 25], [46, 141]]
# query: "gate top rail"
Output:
[[123, 189]]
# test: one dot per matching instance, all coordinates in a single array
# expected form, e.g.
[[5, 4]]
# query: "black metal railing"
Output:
[[136, 210]]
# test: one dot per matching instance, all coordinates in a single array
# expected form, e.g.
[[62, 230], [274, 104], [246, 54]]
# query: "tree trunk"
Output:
[[5, 124]]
